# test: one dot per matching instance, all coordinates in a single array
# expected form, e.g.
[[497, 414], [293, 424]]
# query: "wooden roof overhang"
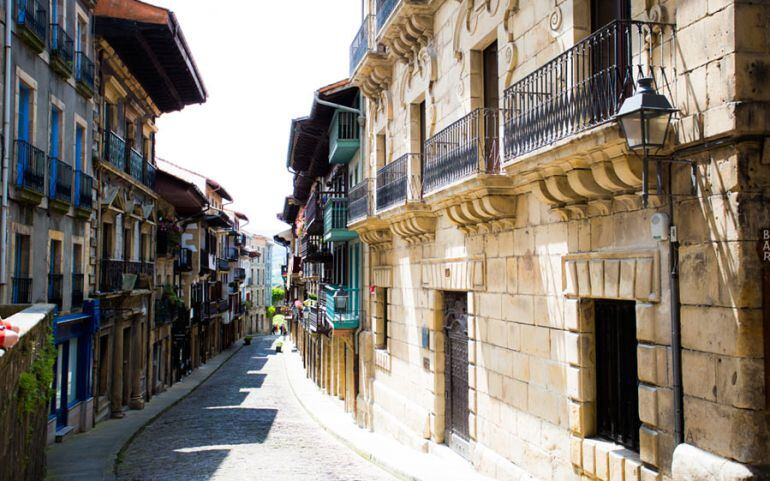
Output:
[[308, 153], [186, 198], [218, 220], [217, 187], [290, 211], [150, 42]]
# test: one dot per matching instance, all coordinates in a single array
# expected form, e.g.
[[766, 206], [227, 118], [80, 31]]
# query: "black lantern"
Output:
[[341, 300], [645, 117]]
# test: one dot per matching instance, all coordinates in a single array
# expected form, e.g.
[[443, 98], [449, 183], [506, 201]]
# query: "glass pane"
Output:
[[72, 372], [59, 374]]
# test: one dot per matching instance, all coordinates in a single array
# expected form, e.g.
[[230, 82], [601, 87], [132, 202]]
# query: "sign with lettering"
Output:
[[763, 246]]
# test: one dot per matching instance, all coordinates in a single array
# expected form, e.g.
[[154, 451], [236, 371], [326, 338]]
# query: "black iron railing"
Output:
[[84, 191], [358, 201], [309, 245], [223, 264], [30, 167], [31, 14], [135, 164], [84, 70], [112, 271], [393, 182], [60, 180], [313, 214], [585, 86], [183, 261], [239, 274], [384, 10], [115, 150], [78, 286], [361, 43], [469, 146], [232, 253], [21, 290], [55, 289], [62, 46]]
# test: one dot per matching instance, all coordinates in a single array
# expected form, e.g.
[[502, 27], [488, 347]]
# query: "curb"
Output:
[[367, 455], [117, 456]]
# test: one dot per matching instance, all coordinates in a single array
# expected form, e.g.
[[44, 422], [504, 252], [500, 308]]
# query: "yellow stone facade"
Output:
[[558, 228]]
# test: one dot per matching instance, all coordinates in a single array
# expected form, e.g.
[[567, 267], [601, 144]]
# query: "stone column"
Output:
[[137, 357], [341, 367], [116, 398]]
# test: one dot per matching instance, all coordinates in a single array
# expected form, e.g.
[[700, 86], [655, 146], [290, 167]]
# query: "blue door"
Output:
[[54, 143], [22, 133]]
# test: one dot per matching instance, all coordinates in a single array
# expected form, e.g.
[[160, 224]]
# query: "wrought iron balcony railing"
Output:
[[223, 264], [469, 146], [396, 184], [112, 271], [78, 286], [358, 203], [135, 164], [32, 15], [115, 150], [384, 10], [585, 86], [55, 289], [60, 180], [21, 290], [362, 43], [84, 70], [239, 274], [62, 46], [148, 177], [313, 214], [30, 167], [84, 186]]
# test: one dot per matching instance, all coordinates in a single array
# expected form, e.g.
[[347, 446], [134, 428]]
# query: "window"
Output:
[[72, 372], [55, 138], [25, 124], [22, 281], [381, 319], [81, 34], [108, 241], [617, 395]]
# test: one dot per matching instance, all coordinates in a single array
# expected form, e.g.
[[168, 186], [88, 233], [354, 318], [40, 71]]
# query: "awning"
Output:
[[186, 198]]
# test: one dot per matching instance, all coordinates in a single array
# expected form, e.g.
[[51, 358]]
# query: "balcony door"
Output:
[[491, 97], [603, 12]]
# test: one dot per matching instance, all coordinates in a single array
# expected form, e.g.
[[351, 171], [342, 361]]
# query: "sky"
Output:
[[261, 61]]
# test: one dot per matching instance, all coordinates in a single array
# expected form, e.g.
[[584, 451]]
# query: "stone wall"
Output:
[[532, 280], [26, 372]]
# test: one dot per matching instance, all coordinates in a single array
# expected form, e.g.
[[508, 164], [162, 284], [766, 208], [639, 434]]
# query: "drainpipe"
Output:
[[6, 144], [676, 328], [337, 106]]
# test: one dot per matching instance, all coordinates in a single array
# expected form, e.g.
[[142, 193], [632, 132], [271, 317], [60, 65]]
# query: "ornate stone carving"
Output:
[[415, 224], [631, 275], [467, 274]]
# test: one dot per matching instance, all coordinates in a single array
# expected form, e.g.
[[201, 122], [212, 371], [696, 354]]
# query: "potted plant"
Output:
[[247, 340]]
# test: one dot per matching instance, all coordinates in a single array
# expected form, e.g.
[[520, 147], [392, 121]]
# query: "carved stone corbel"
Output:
[[415, 225]]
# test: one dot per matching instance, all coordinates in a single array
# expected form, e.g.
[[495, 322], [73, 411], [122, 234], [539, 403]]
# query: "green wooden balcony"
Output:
[[336, 220], [342, 305], [344, 138]]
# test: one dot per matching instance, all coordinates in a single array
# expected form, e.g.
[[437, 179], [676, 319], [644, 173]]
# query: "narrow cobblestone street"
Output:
[[244, 423]]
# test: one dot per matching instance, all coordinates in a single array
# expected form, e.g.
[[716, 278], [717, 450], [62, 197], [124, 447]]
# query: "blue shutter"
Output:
[[78, 162]]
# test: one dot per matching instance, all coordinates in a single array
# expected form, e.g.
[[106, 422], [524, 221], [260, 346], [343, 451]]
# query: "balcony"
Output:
[[168, 311], [135, 164], [336, 220], [115, 150], [398, 182], [21, 290], [216, 292], [30, 172], [466, 148], [208, 262], [183, 262], [223, 265], [585, 86], [313, 215], [31, 23], [362, 44], [344, 138], [78, 290], [239, 274], [59, 184], [232, 254], [384, 9], [62, 51], [84, 74], [113, 273], [148, 175], [342, 306], [83, 192], [358, 204], [167, 241], [55, 289]]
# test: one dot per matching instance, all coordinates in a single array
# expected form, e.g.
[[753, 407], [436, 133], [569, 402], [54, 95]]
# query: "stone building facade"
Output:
[[521, 308]]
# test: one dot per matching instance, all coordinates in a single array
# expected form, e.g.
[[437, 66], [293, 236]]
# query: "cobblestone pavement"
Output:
[[243, 424]]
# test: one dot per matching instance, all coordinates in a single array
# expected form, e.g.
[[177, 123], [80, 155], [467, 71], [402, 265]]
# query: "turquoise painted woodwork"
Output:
[[344, 137]]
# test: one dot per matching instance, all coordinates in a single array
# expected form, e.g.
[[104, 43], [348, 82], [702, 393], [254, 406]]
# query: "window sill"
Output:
[[599, 458]]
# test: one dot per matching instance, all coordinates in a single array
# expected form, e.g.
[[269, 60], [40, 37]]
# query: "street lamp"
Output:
[[645, 118]]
